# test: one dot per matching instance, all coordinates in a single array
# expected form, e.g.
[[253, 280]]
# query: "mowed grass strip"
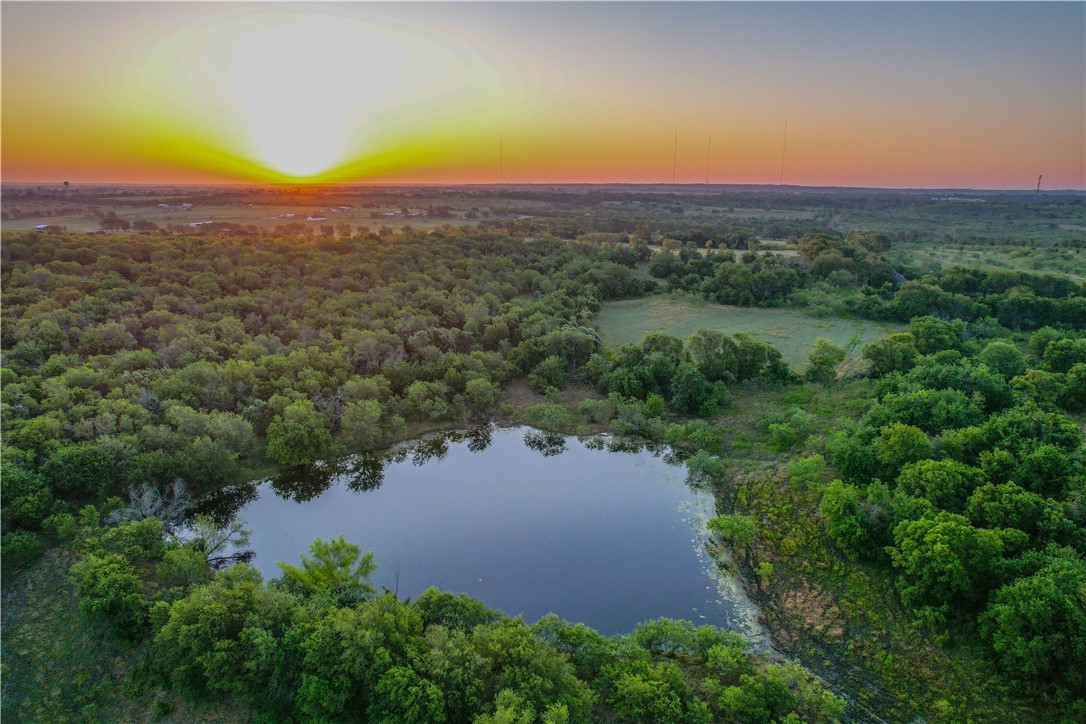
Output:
[[792, 331]]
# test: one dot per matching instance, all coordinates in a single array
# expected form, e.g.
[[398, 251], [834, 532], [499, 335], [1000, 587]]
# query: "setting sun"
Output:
[[302, 89]]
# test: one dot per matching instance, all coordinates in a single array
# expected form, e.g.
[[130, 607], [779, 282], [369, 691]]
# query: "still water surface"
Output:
[[588, 529]]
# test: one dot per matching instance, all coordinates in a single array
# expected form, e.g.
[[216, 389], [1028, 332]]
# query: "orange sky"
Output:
[[984, 95]]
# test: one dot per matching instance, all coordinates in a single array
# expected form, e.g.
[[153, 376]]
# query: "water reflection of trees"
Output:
[[365, 472], [224, 504], [628, 445], [305, 482], [480, 438], [548, 443], [429, 449]]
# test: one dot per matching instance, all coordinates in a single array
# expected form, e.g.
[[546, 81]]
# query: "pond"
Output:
[[595, 530]]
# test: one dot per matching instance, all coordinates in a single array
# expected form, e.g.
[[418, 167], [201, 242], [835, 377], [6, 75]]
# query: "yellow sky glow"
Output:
[[874, 94]]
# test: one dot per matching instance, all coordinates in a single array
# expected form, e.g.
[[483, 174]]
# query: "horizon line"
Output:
[[541, 184]]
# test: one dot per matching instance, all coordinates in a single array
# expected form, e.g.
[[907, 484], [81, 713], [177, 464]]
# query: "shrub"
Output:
[[17, 549]]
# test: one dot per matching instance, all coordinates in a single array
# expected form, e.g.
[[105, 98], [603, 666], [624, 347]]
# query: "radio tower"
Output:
[[675, 157], [784, 145], [1038, 191], [708, 150]]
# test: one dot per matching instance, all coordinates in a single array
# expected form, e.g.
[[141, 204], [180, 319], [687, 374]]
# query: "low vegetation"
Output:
[[792, 331]]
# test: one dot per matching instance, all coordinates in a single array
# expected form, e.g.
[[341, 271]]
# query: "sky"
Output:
[[900, 95]]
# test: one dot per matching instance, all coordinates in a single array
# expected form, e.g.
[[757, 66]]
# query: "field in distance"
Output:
[[793, 332]]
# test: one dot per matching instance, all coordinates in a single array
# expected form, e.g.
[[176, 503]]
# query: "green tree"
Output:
[[18, 548], [360, 425], [933, 335], [640, 691], [1036, 625], [946, 483], [823, 360], [86, 469], [334, 566], [452, 610], [403, 697], [110, 586], [225, 637], [299, 435], [480, 394], [899, 444], [347, 651], [944, 561], [896, 353], [692, 393], [1004, 358], [549, 374]]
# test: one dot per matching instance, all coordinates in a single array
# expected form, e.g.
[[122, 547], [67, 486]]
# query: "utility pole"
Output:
[[784, 145], [708, 151], [675, 157]]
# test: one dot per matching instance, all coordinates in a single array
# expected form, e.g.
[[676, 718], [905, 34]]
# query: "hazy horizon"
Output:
[[518, 184]]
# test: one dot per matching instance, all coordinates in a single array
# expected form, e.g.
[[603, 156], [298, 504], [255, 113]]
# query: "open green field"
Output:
[[791, 331], [1068, 262], [992, 220]]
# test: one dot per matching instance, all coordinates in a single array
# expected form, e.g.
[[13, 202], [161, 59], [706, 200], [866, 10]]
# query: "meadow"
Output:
[[793, 332], [1064, 260], [1012, 219]]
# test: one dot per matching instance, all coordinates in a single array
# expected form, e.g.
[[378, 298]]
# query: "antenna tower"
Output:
[[784, 144], [675, 157], [708, 150]]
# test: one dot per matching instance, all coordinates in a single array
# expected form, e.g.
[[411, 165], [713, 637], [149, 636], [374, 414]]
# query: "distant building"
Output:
[[957, 199]]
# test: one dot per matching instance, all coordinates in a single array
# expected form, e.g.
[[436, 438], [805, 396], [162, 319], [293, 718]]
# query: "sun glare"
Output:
[[308, 97], [303, 89]]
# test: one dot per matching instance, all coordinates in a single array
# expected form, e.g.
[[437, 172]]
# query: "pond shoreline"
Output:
[[605, 482]]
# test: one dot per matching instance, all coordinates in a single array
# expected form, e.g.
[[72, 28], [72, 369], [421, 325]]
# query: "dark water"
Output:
[[527, 523]]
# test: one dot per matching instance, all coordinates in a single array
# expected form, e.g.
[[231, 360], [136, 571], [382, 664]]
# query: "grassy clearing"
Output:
[[1063, 261], [992, 220], [58, 666], [791, 331]]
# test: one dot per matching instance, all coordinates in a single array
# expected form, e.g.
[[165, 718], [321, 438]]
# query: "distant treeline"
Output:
[[851, 276]]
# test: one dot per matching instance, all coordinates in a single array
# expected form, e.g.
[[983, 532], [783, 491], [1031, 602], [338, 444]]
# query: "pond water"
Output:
[[594, 530]]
